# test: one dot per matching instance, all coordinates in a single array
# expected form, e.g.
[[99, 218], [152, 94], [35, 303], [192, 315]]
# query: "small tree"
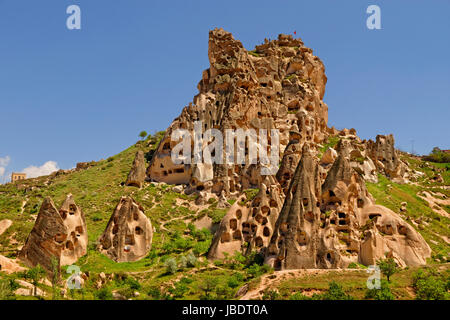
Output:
[[387, 267], [35, 275], [208, 286], [143, 135]]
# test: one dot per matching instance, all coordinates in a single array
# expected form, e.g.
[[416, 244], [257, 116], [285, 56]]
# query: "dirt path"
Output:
[[272, 280], [162, 226]]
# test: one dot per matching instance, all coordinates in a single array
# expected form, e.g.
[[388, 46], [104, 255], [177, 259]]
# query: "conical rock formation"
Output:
[[128, 234], [59, 234], [137, 175]]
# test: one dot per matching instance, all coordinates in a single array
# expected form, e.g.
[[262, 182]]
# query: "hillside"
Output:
[[98, 188]]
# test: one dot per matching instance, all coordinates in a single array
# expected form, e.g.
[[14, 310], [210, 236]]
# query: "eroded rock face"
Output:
[[137, 174], [251, 224], [280, 85], [386, 159], [295, 239], [128, 235], [59, 234], [334, 223], [389, 235], [76, 242]]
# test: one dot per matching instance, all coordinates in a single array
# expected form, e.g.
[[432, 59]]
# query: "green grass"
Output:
[[332, 142], [392, 197], [353, 283], [254, 53]]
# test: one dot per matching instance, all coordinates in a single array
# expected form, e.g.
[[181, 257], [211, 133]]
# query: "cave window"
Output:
[[69, 245], [233, 224], [225, 237], [138, 230], [374, 215], [259, 242], [129, 240], [360, 203]]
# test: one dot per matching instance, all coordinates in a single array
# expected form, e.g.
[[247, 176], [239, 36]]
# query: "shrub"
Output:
[[178, 290], [384, 293], [235, 280], [335, 292], [183, 262], [430, 285], [7, 287], [301, 296], [171, 266], [191, 260], [270, 295], [103, 294], [208, 286], [133, 283], [154, 292], [437, 155]]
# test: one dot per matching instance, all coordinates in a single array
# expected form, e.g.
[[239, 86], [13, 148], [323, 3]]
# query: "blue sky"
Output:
[[78, 95]]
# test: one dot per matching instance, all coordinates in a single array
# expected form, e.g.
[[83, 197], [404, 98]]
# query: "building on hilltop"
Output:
[[18, 176]]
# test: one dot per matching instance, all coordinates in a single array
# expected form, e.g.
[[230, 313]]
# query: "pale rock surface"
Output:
[[4, 225], [59, 234], [128, 234], [137, 175]]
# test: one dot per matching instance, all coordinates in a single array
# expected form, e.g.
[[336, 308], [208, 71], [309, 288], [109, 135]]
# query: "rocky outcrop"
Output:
[[59, 234], [128, 234], [137, 175], [386, 159], [248, 226], [75, 245], [295, 240], [9, 265], [388, 235], [335, 223], [280, 85]]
